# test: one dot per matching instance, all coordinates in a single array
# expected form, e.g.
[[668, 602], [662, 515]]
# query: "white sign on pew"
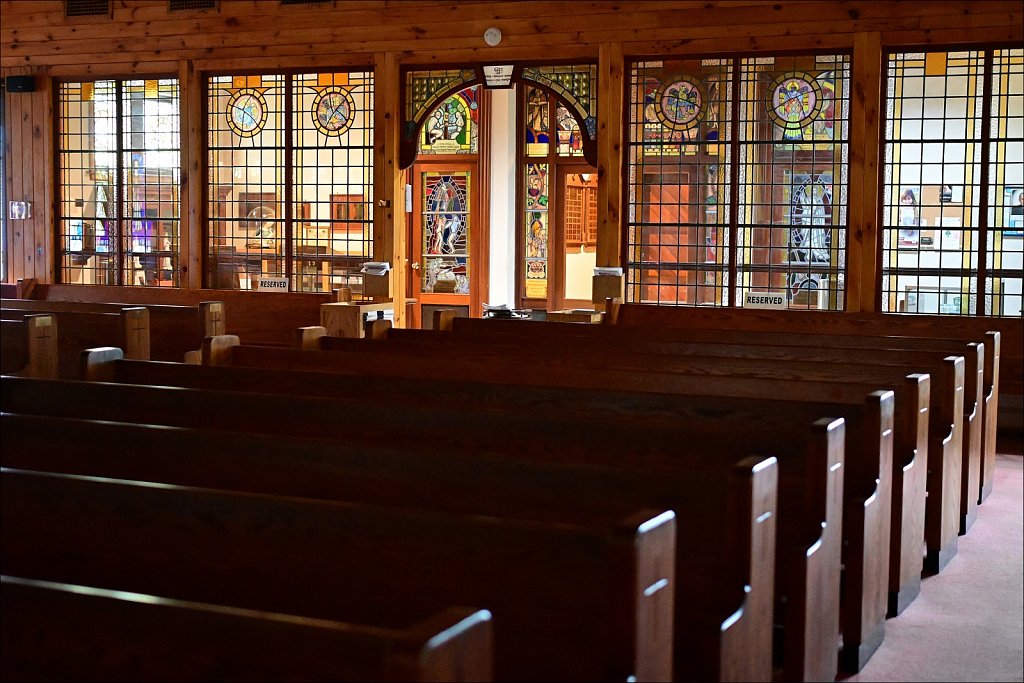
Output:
[[764, 300], [272, 284]]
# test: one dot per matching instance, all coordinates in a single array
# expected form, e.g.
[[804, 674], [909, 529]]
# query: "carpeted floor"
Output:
[[968, 622]]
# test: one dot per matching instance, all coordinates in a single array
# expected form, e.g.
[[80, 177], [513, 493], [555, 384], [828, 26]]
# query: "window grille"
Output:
[[86, 8], [953, 190], [119, 161], [291, 179], [737, 180]]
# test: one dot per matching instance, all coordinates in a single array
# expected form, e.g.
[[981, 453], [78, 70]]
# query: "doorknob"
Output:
[[415, 266]]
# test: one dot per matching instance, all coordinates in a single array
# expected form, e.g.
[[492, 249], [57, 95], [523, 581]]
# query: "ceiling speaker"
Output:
[[21, 84]]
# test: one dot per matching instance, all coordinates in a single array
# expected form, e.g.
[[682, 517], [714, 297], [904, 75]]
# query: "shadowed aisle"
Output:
[[968, 622]]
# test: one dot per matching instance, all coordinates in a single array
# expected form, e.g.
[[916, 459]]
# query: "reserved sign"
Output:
[[272, 284], [764, 300]]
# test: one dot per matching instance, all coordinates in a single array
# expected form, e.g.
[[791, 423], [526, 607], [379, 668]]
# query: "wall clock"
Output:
[[332, 111], [247, 112]]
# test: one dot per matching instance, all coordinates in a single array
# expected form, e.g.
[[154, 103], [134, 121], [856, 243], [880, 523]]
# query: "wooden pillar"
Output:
[[863, 246], [389, 241], [610, 146], [193, 163]]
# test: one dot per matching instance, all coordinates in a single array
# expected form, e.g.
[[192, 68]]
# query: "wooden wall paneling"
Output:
[[193, 164], [863, 243], [144, 31]]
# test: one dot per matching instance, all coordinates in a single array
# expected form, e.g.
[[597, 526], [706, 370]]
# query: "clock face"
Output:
[[332, 111], [247, 112]]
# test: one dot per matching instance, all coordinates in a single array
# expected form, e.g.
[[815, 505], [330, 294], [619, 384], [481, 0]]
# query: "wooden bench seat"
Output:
[[1004, 383], [55, 631], [793, 347], [569, 602], [127, 329], [799, 350], [627, 409], [257, 317], [570, 473], [658, 373], [28, 347], [174, 329], [941, 525]]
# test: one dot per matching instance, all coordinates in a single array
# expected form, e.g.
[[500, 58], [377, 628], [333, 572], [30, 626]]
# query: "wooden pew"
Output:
[[538, 469], [29, 347], [862, 633], [174, 329], [942, 515], [910, 449], [797, 349], [258, 317], [569, 602], [623, 411], [127, 329], [55, 631], [1004, 372]]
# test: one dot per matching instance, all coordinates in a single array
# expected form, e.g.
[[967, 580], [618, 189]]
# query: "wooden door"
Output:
[[575, 238], [446, 253]]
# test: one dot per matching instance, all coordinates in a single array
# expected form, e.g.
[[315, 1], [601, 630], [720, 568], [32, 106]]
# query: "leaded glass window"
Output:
[[454, 126], [954, 169], [119, 160], [291, 178], [721, 206]]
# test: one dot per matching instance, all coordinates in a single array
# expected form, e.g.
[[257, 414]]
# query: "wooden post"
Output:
[[190, 228], [610, 136], [389, 242], [863, 245]]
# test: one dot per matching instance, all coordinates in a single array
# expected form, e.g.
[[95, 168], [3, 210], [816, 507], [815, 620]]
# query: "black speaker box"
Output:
[[21, 84]]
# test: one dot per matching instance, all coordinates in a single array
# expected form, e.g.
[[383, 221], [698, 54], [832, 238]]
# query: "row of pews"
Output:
[[557, 501]]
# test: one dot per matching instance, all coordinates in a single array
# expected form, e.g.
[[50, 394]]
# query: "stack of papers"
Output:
[[601, 270], [375, 268]]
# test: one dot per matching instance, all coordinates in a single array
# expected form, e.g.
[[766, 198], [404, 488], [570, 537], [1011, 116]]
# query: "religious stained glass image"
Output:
[[535, 247], [332, 111], [796, 100], [679, 104], [453, 127], [446, 231], [570, 140]]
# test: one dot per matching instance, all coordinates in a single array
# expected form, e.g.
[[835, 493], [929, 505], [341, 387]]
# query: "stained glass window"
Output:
[[535, 224], [454, 126], [291, 177], [120, 161], [446, 229], [686, 243]]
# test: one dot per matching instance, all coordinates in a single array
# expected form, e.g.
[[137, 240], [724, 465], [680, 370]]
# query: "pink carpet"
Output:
[[968, 622]]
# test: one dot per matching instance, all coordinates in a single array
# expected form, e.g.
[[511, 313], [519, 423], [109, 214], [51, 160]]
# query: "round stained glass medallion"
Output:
[[795, 101], [679, 104], [332, 111], [247, 112]]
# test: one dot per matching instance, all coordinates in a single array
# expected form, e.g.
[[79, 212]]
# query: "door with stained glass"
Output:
[[443, 222], [558, 231], [447, 246]]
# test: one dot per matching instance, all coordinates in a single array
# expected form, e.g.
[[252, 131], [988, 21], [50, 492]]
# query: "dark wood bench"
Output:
[[941, 522], [174, 329], [1004, 373], [127, 329], [576, 405], [634, 371], [55, 631], [569, 602], [793, 347], [569, 472], [28, 347], [909, 468], [257, 317]]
